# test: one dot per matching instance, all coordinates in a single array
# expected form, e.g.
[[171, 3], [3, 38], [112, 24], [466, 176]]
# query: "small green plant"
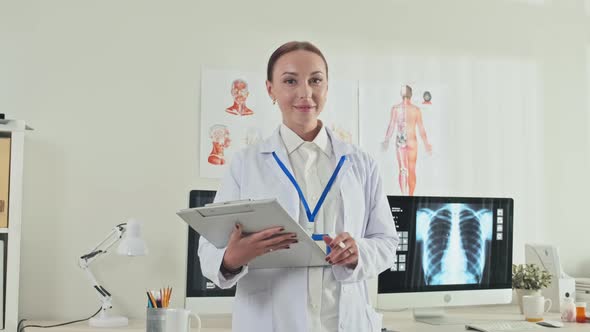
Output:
[[529, 276]]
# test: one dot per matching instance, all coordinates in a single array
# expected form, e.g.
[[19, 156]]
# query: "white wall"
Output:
[[112, 90]]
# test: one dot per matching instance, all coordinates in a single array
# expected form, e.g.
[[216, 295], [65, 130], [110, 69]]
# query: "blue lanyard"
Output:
[[310, 216]]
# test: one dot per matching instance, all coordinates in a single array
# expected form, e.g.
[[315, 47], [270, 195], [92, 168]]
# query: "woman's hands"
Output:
[[344, 250], [242, 248]]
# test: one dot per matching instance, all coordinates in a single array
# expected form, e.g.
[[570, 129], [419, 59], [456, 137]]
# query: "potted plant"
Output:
[[529, 279]]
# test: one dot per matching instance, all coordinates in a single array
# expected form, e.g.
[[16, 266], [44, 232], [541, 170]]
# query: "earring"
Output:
[[274, 101]]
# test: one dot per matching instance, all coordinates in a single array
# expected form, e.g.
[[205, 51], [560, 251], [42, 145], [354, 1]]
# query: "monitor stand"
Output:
[[437, 316]]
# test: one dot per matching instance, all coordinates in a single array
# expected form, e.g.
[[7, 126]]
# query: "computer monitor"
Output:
[[202, 295], [453, 251]]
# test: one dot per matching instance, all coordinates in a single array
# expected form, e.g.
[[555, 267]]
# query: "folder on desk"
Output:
[[215, 222]]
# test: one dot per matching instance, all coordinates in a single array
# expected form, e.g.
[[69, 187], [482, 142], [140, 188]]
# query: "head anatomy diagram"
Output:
[[219, 134], [239, 90], [220, 140], [406, 92]]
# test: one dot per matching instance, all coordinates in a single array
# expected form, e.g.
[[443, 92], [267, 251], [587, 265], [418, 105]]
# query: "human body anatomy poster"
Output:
[[400, 127], [236, 111], [456, 126]]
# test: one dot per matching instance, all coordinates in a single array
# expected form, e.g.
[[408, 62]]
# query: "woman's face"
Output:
[[300, 87]]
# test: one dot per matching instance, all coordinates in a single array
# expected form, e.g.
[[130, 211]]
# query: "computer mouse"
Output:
[[550, 323]]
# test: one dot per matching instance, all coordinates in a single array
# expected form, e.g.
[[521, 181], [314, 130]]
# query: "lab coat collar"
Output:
[[293, 141], [275, 143]]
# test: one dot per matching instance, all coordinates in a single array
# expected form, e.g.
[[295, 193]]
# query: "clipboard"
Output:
[[216, 221]]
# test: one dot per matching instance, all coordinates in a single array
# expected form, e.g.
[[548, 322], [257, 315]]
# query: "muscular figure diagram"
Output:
[[219, 135], [404, 119], [239, 91]]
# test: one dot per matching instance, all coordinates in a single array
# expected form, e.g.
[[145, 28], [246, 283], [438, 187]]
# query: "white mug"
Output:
[[170, 320], [534, 306]]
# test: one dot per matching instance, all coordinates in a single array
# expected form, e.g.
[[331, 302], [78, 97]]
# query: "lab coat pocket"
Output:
[[260, 301], [254, 310], [375, 319]]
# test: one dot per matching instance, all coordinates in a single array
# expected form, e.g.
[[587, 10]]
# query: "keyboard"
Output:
[[499, 326]]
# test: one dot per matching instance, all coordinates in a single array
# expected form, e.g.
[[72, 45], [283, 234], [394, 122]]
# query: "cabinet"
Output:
[[12, 139]]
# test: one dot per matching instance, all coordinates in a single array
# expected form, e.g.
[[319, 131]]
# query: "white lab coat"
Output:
[[275, 300]]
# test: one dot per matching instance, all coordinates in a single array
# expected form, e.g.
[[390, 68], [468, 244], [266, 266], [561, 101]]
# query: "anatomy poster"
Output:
[[399, 127], [454, 126], [236, 111]]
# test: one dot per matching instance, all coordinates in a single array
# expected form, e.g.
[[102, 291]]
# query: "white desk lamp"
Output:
[[131, 245]]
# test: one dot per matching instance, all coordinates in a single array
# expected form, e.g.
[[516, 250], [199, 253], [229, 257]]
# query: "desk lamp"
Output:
[[131, 245]]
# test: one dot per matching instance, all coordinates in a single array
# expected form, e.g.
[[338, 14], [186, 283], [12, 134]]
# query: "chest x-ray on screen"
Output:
[[453, 243]]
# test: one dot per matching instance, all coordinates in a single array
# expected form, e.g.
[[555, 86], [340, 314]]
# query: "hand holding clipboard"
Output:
[[260, 223], [243, 248]]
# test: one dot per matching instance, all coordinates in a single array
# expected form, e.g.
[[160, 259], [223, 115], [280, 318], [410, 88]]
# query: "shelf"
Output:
[[16, 132]]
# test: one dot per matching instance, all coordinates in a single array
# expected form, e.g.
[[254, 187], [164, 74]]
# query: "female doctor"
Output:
[[295, 166]]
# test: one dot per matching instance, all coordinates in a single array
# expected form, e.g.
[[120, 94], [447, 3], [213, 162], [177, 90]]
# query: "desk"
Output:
[[210, 323], [401, 321], [404, 322]]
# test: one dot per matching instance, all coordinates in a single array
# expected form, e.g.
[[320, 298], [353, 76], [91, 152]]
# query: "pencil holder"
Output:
[[170, 320]]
